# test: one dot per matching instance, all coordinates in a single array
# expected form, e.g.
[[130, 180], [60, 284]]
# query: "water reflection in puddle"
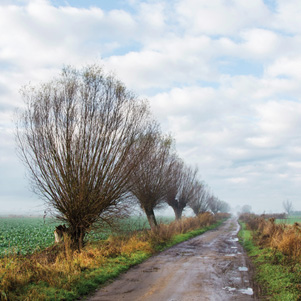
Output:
[[229, 289], [233, 239], [247, 291], [243, 269]]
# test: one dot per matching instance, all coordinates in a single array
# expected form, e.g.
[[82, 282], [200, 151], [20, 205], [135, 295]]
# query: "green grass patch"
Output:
[[290, 220], [277, 278], [25, 235]]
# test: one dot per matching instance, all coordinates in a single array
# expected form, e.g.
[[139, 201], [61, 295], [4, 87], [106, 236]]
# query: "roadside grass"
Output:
[[278, 276], [58, 273]]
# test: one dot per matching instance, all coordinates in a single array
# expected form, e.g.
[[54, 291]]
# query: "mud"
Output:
[[212, 266]]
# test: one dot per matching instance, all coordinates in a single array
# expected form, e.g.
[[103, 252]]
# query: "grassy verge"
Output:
[[185, 236], [278, 277], [58, 273]]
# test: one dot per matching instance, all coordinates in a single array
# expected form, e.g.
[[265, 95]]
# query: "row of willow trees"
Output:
[[91, 147]]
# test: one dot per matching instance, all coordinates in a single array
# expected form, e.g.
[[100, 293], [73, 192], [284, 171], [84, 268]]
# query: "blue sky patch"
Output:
[[234, 66]]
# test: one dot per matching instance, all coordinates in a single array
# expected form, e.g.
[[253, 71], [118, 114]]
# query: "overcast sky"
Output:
[[223, 76]]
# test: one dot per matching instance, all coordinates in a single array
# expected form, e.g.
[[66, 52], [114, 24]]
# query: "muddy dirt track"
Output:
[[212, 266]]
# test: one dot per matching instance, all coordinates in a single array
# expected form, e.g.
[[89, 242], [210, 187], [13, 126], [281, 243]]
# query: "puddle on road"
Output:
[[231, 255], [229, 289], [247, 291], [243, 269], [236, 279], [244, 291], [233, 247], [233, 240]]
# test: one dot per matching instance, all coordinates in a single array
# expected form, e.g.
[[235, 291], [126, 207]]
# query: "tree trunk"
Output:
[[178, 213], [77, 235], [151, 218]]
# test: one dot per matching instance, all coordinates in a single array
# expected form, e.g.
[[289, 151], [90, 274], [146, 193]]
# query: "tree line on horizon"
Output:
[[91, 146]]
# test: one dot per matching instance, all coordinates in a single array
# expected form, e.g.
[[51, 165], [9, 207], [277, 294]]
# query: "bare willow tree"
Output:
[[152, 177], [288, 206], [214, 204], [77, 137], [200, 203], [174, 186], [224, 207], [217, 205], [186, 190]]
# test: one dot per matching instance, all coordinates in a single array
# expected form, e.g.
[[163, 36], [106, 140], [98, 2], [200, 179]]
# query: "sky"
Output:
[[222, 76]]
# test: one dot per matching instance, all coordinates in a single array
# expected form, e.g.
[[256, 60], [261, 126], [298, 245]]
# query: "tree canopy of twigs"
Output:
[[200, 203], [152, 177], [177, 174], [186, 190], [216, 205], [77, 137], [288, 206]]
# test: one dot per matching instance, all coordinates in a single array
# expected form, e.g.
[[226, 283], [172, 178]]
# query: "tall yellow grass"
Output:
[[281, 237], [59, 266]]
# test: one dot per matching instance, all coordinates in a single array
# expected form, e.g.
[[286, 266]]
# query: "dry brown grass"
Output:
[[163, 233], [281, 237], [61, 267]]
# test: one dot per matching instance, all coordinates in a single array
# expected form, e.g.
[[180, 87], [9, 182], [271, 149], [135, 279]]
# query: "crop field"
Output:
[[290, 220], [24, 235]]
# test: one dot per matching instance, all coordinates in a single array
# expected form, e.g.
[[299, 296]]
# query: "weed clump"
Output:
[[276, 252], [281, 237]]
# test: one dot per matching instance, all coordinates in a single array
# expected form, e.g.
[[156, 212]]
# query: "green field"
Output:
[[290, 220], [24, 235]]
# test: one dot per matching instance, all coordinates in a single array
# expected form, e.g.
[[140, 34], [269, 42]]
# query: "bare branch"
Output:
[[78, 138]]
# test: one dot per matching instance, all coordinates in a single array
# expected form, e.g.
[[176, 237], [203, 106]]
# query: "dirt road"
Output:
[[212, 266]]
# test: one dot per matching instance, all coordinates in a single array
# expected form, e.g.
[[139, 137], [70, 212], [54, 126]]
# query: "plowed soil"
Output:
[[212, 266]]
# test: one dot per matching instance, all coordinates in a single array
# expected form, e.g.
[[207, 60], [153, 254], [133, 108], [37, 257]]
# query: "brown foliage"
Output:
[[163, 233], [281, 237], [60, 262]]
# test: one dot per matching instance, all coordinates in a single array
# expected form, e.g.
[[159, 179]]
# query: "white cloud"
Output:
[[286, 67], [237, 180], [193, 59], [260, 43], [288, 16], [217, 17]]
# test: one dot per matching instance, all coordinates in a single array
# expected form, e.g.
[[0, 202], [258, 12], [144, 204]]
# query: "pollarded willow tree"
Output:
[[78, 137], [200, 203], [183, 189], [216, 205], [152, 177], [177, 173]]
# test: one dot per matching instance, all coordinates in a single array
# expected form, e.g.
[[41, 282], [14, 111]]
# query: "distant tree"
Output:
[[77, 136], [213, 204], [200, 203], [153, 175], [177, 174], [216, 205], [246, 209], [186, 191], [288, 206], [224, 207]]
